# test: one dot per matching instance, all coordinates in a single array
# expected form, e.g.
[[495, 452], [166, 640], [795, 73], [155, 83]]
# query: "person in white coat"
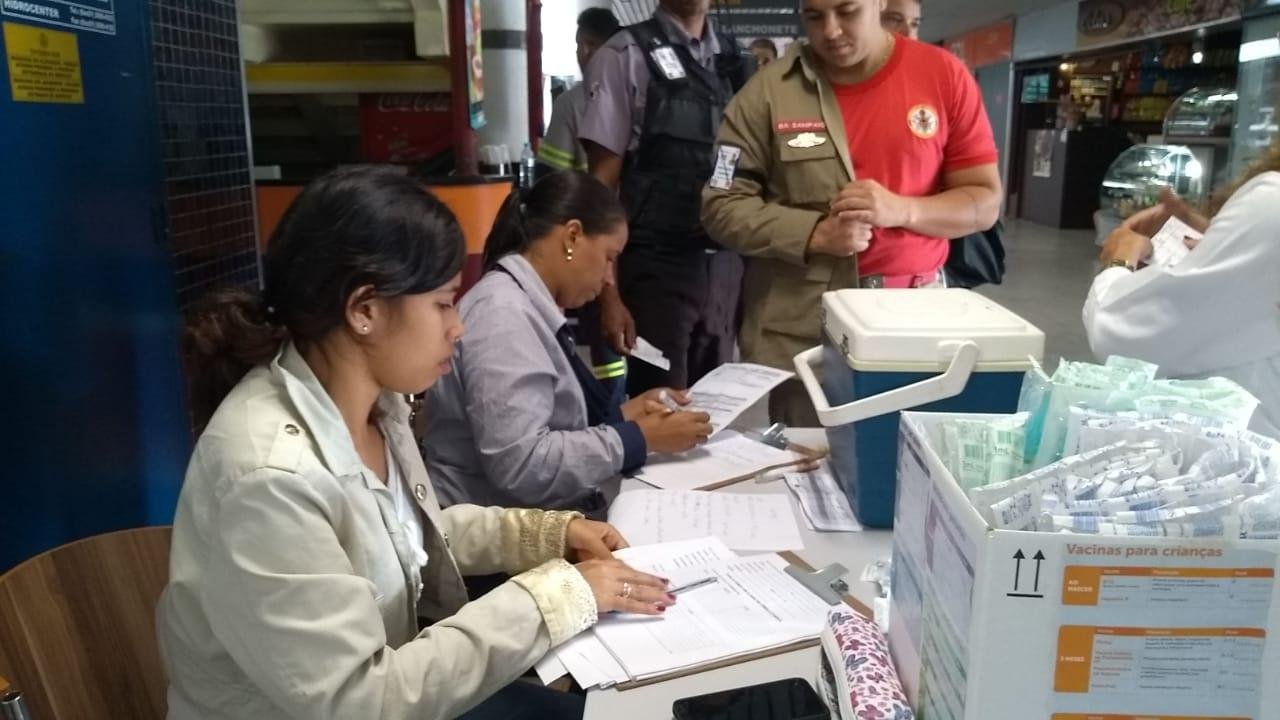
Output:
[[1215, 313], [312, 573]]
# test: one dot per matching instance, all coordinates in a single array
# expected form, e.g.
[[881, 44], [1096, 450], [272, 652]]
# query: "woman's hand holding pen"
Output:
[[662, 401], [667, 429]]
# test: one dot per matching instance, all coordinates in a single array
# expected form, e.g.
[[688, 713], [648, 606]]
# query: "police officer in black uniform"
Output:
[[656, 92]]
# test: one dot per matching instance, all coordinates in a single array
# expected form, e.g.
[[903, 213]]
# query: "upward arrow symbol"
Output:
[[1018, 557], [1039, 558]]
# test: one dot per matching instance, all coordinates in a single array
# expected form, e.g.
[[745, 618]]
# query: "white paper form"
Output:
[[646, 351], [753, 606], [743, 522], [1168, 245], [823, 503], [585, 657], [729, 455], [729, 390]]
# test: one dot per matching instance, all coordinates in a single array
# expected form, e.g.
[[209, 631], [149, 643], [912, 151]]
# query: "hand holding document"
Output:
[[646, 351], [730, 607], [1169, 245], [742, 521], [729, 390]]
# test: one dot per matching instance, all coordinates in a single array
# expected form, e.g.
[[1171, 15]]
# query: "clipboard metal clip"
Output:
[[775, 436], [827, 583]]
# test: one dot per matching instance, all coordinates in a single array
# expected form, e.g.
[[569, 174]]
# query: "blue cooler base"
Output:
[[864, 455]]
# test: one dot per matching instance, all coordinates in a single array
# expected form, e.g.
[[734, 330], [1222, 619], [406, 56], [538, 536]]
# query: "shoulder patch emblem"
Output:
[[923, 121]]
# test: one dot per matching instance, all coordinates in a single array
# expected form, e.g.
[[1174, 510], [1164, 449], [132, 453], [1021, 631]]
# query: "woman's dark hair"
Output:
[[349, 228], [554, 200], [599, 23]]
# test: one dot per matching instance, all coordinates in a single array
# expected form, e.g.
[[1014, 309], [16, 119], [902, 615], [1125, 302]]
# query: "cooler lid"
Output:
[[902, 329]]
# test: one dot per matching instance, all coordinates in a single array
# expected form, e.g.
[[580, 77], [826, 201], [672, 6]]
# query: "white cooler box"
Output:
[[890, 350]]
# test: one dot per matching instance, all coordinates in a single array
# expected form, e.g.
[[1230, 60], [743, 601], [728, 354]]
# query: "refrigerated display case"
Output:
[[1258, 87], [1134, 180], [1201, 120]]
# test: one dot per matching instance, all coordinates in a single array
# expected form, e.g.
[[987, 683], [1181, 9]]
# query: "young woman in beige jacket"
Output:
[[313, 574]]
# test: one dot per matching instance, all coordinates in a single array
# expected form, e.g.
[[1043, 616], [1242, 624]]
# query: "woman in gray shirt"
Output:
[[522, 421]]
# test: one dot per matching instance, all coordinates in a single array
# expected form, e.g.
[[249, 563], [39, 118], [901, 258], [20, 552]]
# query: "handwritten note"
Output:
[[744, 522]]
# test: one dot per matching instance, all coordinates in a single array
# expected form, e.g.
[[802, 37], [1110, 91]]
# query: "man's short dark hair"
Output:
[[764, 43], [598, 23]]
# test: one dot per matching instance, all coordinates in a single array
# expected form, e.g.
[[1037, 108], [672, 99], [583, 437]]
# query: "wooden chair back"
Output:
[[77, 627]]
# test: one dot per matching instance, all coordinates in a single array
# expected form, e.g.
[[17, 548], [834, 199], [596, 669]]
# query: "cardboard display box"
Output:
[[997, 625]]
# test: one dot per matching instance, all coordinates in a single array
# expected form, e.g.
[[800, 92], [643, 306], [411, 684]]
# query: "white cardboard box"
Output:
[[997, 625]]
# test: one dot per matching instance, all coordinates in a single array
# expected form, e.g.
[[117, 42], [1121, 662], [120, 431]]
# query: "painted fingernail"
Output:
[[671, 599], [661, 608]]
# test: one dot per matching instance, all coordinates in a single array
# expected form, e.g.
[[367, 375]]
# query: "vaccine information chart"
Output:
[[1224, 662], [1137, 640], [1246, 590]]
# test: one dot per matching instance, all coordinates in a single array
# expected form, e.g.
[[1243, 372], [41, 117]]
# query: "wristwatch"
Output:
[[1117, 262]]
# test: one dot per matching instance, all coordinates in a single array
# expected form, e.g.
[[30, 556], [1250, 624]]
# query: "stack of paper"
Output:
[[743, 522], [752, 606], [730, 455]]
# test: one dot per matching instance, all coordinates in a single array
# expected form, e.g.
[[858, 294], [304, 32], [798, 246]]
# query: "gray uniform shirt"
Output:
[[509, 425], [560, 147], [617, 80]]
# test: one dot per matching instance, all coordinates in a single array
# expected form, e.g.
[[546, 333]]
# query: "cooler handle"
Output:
[[941, 387]]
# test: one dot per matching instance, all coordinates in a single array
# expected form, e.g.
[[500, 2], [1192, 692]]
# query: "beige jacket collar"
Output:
[[323, 420]]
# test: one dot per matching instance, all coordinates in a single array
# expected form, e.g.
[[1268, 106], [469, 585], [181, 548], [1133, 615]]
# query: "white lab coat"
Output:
[[1217, 313]]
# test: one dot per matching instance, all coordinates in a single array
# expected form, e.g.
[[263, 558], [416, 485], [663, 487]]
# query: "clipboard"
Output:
[[811, 457], [796, 562]]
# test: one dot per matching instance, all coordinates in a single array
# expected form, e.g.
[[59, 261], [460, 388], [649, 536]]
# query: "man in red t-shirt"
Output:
[[919, 138], [846, 163]]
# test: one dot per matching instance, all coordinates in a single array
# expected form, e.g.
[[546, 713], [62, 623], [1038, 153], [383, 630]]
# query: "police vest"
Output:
[[663, 178]]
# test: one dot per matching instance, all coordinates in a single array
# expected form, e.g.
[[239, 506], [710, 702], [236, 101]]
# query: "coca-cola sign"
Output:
[[412, 102], [404, 127]]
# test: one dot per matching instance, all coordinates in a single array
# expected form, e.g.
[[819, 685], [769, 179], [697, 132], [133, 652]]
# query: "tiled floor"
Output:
[[1049, 272]]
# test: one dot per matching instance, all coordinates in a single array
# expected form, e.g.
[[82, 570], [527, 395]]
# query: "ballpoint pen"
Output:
[[694, 585]]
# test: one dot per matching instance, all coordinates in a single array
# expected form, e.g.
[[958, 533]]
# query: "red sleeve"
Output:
[[970, 142]]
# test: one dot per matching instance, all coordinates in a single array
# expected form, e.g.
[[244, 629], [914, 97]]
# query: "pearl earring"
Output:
[[568, 253], [364, 328]]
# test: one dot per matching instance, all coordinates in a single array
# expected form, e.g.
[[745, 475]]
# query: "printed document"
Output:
[[754, 605], [585, 657], [729, 455], [731, 389], [822, 501], [1168, 245], [743, 521]]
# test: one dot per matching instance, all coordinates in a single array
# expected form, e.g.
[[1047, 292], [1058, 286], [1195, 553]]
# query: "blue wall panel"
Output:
[[96, 429]]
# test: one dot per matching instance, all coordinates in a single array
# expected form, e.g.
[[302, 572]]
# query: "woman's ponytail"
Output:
[[510, 233], [228, 332], [554, 200]]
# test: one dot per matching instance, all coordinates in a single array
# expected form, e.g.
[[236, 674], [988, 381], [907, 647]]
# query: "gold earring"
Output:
[[568, 253]]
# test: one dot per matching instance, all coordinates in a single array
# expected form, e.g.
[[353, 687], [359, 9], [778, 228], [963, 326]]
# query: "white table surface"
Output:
[[853, 550]]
